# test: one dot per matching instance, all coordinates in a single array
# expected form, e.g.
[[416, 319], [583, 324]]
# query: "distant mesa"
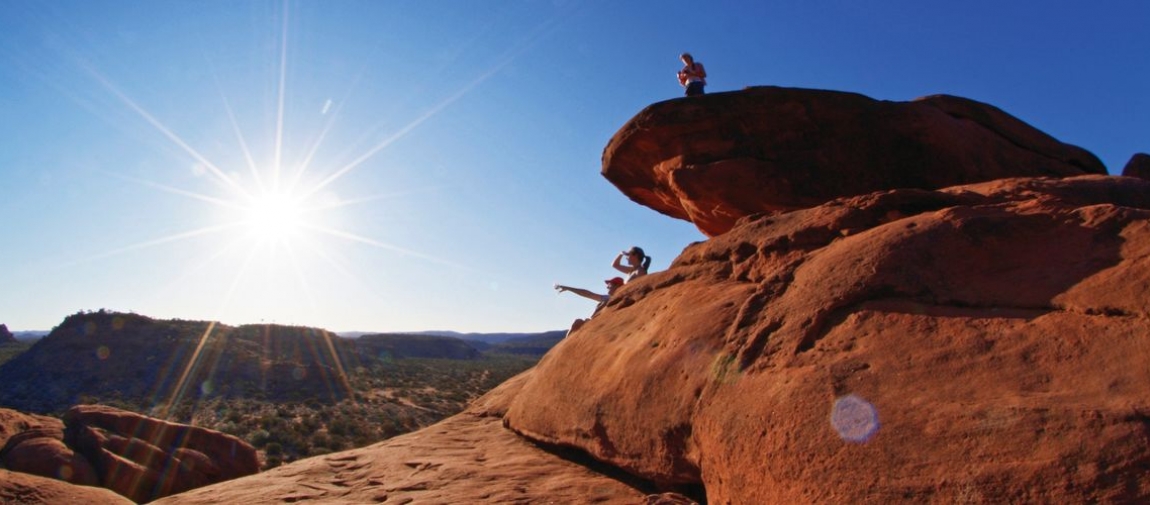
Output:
[[109, 354], [717, 158]]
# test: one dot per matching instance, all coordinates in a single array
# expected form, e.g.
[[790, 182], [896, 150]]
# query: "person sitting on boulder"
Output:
[[612, 284], [637, 263], [692, 76]]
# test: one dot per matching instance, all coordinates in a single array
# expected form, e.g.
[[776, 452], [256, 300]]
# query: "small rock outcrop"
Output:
[[41, 451], [1138, 166], [6, 337], [138, 457], [144, 458], [713, 159]]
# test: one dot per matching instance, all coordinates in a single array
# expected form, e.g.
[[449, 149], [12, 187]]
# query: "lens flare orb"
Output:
[[854, 418]]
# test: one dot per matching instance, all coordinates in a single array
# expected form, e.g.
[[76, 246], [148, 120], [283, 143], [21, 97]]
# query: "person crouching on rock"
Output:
[[612, 284], [637, 263], [692, 76]]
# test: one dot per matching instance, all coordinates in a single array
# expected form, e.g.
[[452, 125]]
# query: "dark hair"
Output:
[[646, 262]]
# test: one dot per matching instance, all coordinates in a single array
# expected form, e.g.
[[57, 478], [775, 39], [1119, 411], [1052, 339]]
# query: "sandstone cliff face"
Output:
[[714, 158]]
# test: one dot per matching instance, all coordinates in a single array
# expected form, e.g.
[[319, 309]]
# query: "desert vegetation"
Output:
[[292, 392], [10, 350]]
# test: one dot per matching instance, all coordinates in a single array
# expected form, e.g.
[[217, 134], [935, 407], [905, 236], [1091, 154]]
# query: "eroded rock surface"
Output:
[[722, 156]]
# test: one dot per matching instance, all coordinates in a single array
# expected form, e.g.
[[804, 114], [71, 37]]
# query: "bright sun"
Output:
[[273, 216]]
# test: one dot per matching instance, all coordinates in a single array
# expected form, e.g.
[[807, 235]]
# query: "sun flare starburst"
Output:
[[273, 216]]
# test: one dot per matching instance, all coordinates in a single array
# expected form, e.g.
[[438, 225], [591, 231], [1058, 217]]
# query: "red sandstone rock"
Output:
[[144, 458], [41, 451], [1138, 166], [714, 159], [13, 422], [25, 489], [984, 343]]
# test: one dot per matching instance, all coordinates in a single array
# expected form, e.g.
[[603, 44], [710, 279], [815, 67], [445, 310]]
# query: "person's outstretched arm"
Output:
[[580, 291], [618, 264]]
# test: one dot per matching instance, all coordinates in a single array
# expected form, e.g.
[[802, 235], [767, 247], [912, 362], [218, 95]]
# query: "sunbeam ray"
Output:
[[252, 167], [335, 114], [533, 37], [277, 166], [180, 390], [367, 199], [190, 194], [224, 178], [364, 240], [155, 242], [181, 384], [335, 358]]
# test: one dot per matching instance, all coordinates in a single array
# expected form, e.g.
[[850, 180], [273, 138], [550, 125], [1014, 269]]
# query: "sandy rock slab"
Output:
[[467, 458], [25, 489]]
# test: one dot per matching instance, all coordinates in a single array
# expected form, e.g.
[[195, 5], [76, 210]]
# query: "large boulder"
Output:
[[34, 444], [716, 158], [41, 451], [983, 343], [144, 458]]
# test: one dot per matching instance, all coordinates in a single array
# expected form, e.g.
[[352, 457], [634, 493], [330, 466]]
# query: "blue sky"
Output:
[[444, 156]]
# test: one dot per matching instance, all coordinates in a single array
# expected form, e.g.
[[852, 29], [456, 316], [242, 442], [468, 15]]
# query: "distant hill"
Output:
[[29, 334], [533, 345], [6, 336], [400, 345], [106, 355], [493, 338], [110, 355]]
